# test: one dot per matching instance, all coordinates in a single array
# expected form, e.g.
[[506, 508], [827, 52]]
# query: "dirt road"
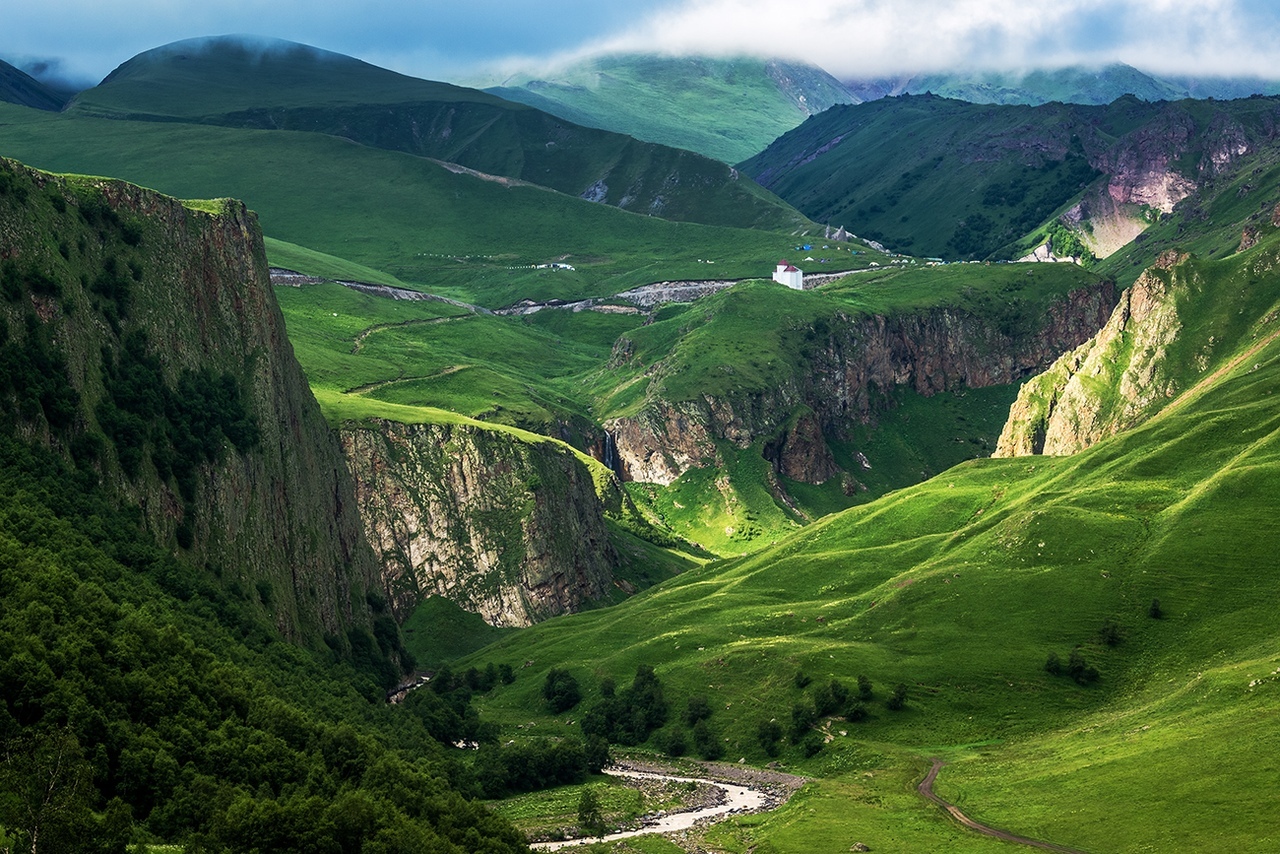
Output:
[[926, 788]]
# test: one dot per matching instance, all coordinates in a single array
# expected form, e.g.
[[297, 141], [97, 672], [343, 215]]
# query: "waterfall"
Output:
[[611, 453]]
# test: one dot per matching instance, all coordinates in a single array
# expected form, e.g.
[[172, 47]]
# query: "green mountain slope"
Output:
[[947, 178], [193, 645], [961, 588], [438, 228], [728, 109], [284, 86], [742, 415], [18, 87]]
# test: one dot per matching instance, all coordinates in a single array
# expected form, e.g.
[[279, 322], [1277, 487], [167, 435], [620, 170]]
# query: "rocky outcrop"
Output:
[[1140, 168], [801, 452], [1249, 238], [852, 372], [1106, 385], [662, 442], [181, 295], [509, 527]]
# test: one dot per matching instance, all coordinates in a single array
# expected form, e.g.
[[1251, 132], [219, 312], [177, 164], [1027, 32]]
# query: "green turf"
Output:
[[302, 260], [438, 631], [728, 108], [962, 586], [400, 214], [276, 85]]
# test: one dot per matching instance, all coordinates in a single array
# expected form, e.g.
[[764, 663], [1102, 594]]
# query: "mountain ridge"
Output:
[[727, 109], [284, 86]]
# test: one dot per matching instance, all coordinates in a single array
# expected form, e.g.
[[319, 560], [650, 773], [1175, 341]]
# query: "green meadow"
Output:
[[727, 108], [399, 214], [960, 588], [543, 371]]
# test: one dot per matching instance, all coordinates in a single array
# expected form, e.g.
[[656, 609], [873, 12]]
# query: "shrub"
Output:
[[803, 716], [898, 699], [864, 689], [1110, 633], [1155, 612], [769, 734], [590, 819], [830, 698], [855, 712], [560, 690], [597, 754], [1053, 664], [698, 709], [671, 741], [802, 680], [1079, 670], [706, 741], [630, 715], [811, 745]]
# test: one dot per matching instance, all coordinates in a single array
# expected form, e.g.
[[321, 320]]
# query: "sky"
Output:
[[83, 40]]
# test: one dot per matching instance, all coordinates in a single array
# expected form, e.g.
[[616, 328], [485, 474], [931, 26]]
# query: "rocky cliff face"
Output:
[[1109, 383], [861, 360], [510, 528], [184, 396]]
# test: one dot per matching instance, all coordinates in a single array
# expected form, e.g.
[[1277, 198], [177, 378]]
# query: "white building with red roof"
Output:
[[788, 275]]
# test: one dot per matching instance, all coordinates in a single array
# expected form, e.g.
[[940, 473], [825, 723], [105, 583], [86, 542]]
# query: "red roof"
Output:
[[787, 268]]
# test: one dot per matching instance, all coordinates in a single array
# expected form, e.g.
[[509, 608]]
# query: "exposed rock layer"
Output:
[[1107, 384], [860, 362], [511, 529], [278, 517]]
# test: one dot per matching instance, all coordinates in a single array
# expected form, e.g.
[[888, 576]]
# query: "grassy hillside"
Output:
[[1237, 209], [284, 86], [728, 109], [18, 87], [945, 178], [967, 181], [961, 588], [401, 214], [558, 370], [214, 76], [192, 646]]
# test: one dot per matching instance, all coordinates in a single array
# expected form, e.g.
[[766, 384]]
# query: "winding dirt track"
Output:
[[926, 788]]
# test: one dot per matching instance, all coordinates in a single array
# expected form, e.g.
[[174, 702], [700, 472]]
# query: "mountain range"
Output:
[[497, 415]]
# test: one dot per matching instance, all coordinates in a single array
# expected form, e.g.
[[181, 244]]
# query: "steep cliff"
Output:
[[508, 525], [170, 379], [848, 366], [1184, 323], [1107, 384]]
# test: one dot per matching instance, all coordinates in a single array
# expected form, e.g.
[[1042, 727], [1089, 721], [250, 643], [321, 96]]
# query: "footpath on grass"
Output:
[[734, 790], [926, 788]]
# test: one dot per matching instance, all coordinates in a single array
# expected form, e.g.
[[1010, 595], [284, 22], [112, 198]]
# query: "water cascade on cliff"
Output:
[[611, 454]]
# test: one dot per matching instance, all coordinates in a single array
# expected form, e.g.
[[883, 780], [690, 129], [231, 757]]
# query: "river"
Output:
[[737, 798]]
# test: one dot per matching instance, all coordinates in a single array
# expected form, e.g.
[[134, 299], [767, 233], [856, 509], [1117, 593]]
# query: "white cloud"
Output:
[[847, 37], [870, 37]]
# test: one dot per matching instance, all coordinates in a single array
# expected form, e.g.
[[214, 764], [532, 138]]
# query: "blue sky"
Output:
[[85, 39]]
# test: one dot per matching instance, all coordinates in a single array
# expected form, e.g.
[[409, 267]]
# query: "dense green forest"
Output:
[[149, 694]]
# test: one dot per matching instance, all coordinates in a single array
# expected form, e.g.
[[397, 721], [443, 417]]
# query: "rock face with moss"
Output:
[[168, 378], [1108, 384], [509, 528], [852, 369]]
